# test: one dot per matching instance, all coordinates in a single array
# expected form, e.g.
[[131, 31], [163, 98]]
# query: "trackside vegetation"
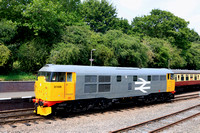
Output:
[[36, 32]]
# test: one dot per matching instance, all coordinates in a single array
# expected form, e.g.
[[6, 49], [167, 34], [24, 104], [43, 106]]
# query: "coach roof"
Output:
[[104, 70]]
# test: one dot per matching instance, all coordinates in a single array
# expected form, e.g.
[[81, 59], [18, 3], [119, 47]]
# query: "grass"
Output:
[[17, 75]]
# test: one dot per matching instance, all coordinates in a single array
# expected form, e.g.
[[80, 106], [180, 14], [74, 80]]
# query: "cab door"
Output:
[[70, 85], [170, 83]]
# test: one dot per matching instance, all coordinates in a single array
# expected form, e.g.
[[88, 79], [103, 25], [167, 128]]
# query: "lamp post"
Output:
[[169, 63], [91, 60]]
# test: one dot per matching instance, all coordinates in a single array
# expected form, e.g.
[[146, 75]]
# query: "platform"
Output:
[[16, 95]]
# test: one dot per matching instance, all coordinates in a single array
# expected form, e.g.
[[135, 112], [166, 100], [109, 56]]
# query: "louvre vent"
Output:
[[90, 78], [104, 78], [90, 88], [104, 87]]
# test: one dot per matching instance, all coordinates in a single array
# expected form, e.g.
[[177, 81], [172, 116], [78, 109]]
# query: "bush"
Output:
[[64, 53], [8, 29], [5, 54], [32, 55]]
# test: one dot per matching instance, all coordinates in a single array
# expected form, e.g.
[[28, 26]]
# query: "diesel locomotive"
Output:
[[71, 87]]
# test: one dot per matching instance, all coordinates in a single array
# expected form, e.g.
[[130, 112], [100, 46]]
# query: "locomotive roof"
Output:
[[104, 70], [186, 71]]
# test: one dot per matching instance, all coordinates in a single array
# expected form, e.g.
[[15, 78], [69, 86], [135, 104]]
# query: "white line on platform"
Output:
[[9, 98], [27, 97]]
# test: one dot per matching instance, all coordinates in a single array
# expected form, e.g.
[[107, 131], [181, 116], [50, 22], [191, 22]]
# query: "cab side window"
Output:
[[149, 77], [61, 77], [58, 77], [119, 78], [69, 77]]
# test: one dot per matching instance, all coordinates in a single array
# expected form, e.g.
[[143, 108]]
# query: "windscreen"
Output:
[[47, 75], [53, 76]]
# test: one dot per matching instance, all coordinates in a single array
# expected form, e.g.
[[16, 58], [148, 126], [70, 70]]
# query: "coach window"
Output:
[[119, 78], [195, 78], [69, 77], [134, 78], [149, 78], [182, 77], [187, 77], [191, 76]]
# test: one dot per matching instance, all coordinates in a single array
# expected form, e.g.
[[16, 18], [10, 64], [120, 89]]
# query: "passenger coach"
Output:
[[71, 86], [187, 80]]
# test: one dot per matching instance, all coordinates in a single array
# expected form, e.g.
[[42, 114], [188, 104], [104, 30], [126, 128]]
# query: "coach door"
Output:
[[70, 86]]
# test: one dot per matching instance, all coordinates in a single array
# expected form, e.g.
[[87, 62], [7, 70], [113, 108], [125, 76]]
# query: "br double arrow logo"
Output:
[[142, 88]]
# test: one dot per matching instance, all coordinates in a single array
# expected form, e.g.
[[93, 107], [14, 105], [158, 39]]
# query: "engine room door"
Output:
[[70, 85]]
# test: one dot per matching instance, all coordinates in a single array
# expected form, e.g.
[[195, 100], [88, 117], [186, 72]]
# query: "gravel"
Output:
[[110, 120]]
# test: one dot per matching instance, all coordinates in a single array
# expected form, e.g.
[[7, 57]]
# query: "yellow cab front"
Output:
[[52, 88]]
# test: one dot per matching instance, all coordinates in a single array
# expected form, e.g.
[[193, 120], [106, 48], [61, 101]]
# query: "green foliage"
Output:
[[123, 25], [32, 56], [12, 9], [128, 51], [70, 5], [104, 56], [8, 29], [193, 56], [17, 75], [82, 37], [99, 15], [34, 32], [45, 17], [64, 53], [163, 24], [5, 55], [161, 52]]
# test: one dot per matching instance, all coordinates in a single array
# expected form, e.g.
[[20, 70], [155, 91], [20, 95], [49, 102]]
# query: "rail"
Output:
[[157, 120]]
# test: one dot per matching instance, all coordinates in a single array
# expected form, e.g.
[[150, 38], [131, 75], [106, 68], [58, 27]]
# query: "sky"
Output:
[[189, 10]]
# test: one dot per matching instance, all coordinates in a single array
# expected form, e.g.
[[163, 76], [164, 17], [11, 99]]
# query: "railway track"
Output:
[[164, 122], [18, 115], [186, 96]]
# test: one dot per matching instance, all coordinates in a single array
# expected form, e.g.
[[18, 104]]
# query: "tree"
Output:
[[45, 18], [161, 53], [128, 50], [163, 24], [12, 9], [70, 5], [123, 25], [99, 15], [193, 56], [104, 56], [8, 30], [32, 55], [64, 53], [5, 55]]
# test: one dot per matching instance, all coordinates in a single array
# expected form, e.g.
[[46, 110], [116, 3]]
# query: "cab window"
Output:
[[149, 77], [69, 77], [58, 77]]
